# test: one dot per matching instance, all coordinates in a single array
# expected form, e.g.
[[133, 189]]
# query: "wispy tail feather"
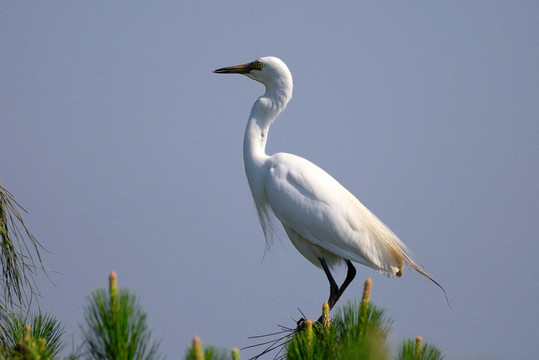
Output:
[[412, 264]]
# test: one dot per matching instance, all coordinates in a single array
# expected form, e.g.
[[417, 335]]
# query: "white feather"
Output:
[[322, 219]]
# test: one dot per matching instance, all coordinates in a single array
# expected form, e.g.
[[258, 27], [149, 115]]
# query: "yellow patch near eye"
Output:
[[258, 65]]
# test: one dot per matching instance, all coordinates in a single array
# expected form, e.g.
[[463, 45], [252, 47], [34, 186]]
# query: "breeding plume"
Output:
[[324, 221]]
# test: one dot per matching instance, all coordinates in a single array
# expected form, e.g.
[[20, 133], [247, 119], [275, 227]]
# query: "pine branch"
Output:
[[20, 257]]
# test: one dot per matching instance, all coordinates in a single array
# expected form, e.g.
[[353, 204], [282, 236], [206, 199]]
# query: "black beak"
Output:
[[236, 69]]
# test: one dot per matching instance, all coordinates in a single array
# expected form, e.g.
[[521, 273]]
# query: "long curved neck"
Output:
[[265, 110]]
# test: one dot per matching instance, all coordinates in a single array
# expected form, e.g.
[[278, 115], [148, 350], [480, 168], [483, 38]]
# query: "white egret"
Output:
[[324, 221]]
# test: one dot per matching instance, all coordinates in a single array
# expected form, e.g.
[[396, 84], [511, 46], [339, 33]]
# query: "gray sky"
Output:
[[127, 152]]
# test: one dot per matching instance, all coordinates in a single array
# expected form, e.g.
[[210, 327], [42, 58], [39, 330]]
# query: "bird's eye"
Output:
[[258, 65]]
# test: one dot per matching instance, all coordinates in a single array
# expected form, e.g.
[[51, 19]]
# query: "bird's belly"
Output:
[[311, 251]]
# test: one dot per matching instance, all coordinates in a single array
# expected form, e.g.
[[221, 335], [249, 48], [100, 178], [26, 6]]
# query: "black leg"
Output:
[[333, 288], [334, 291], [350, 274]]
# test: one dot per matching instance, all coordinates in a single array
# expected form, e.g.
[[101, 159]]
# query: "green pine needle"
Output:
[[414, 350], [209, 353], [120, 333], [39, 334], [358, 331], [20, 258]]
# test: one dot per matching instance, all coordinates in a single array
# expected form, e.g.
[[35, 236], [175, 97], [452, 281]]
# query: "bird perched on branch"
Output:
[[324, 221]]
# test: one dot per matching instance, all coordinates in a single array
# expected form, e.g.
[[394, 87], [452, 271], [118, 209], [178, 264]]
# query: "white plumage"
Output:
[[324, 221]]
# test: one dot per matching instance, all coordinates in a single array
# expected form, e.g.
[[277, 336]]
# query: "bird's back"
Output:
[[320, 215]]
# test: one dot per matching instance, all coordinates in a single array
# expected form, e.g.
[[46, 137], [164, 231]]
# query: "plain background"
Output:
[[127, 152]]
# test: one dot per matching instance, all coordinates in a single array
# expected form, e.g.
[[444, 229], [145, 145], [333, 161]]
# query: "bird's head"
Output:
[[268, 70]]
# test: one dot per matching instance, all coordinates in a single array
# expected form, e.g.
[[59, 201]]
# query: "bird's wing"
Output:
[[311, 203]]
